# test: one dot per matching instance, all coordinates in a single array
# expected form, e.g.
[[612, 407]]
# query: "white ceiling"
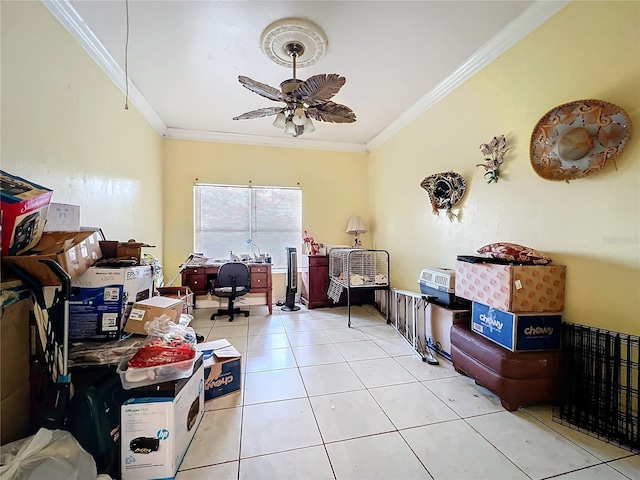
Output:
[[399, 57]]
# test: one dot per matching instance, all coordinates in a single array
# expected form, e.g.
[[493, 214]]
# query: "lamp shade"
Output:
[[356, 225]]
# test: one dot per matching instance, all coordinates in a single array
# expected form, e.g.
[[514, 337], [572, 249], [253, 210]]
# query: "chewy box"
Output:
[[517, 331], [24, 212], [157, 430], [222, 368]]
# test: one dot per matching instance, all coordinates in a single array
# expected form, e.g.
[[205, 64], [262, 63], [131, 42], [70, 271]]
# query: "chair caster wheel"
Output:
[[213, 317], [246, 314]]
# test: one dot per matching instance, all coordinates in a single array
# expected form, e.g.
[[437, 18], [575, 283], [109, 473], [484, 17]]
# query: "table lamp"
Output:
[[356, 226]]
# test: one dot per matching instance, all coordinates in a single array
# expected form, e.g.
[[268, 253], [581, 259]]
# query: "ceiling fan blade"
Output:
[[262, 89], [332, 112], [261, 112], [319, 88]]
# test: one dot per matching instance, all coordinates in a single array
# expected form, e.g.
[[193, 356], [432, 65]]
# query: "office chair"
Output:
[[233, 281]]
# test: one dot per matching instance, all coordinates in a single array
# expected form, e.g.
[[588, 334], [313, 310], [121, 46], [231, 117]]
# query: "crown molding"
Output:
[[286, 142], [527, 22], [71, 20]]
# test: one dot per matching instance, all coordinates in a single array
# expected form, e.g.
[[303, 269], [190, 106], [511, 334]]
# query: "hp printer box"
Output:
[[157, 430], [517, 331]]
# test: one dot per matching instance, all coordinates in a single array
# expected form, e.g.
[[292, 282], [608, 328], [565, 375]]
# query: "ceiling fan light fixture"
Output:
[[280, 120], [299, 116], [290, 128], [303, 99], [309, 126]]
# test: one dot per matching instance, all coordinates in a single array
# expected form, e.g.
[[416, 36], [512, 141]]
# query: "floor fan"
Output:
[[292, 280]]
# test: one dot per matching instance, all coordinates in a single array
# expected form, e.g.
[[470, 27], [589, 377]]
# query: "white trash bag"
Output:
[[49, 454]]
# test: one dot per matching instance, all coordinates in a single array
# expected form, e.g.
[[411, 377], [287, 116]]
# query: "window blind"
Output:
[[227, 216]]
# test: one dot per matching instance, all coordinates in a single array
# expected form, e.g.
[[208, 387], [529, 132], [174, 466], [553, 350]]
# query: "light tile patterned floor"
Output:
[[320, 400]]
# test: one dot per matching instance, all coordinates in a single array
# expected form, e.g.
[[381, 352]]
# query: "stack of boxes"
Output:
[[517, 306], [513, 344]]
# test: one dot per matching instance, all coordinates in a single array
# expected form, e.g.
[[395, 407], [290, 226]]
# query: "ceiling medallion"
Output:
[[279, 34], [304, 100]]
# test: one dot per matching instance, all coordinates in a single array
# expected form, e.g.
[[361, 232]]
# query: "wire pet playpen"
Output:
[[355, 268], [600, 396]]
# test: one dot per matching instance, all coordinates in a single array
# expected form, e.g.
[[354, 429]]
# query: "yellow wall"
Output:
[[334, 186], [64, 126], [592, 225]]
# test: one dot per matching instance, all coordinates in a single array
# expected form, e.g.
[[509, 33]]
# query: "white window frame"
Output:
[[252, 215]]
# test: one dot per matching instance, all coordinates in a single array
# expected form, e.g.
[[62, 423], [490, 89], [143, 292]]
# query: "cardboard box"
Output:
[[74, 251], [14, 337], [62, 217], [146, 310], [181, 293], [95, 313], [24, 210], [512, 288], [439, 321], [115, 249], [14, 368], [101, 299], [136, 282], [157, 430], [517, 331], [15, 415], [222, 373]]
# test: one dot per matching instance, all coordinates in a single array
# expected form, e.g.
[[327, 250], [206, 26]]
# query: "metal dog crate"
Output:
[[351, 268]]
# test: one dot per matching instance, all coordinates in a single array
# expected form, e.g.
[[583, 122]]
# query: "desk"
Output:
[[199, 279]]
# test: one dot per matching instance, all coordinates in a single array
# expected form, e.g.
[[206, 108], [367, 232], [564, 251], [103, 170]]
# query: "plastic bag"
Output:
[[50, 454], [167, 342]]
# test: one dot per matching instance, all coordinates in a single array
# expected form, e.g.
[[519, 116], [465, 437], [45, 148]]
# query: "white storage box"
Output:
[[141, 377], [156, 431]]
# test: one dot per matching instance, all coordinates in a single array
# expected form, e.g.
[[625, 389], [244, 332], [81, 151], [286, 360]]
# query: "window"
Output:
[[227, 216]]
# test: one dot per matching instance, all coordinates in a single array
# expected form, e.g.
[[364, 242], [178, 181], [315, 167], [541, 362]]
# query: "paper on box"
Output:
[[222, 372]]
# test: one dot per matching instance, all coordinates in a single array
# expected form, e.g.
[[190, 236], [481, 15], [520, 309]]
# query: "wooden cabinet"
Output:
[[198, 278], [315, 281]]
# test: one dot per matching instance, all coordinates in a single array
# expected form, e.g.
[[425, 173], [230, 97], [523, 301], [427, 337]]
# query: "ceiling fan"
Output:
[[304, 100]]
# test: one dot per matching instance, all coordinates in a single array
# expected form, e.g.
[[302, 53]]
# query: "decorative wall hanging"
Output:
[[493, 157], [445, 190], [577, 139]]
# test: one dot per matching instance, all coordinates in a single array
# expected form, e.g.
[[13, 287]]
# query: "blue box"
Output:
[[517, 331], [222, 373], [94, 313]]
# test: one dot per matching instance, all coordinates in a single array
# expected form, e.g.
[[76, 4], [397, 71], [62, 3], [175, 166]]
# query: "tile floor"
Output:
[[320, 400]]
